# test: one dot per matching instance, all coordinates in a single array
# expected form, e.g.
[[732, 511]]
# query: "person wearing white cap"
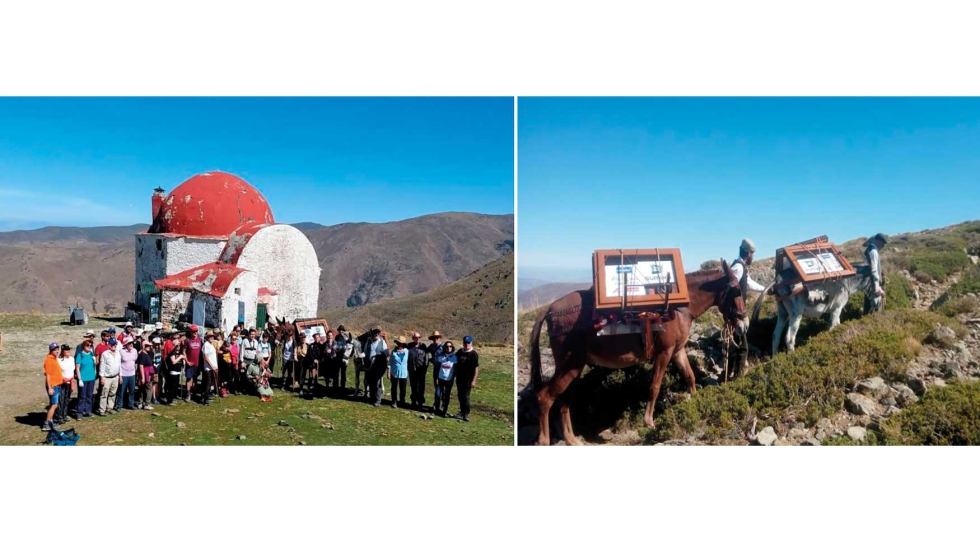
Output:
[[740, 268]]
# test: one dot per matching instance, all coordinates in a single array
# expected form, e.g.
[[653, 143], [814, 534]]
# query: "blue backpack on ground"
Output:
[[67, 437]]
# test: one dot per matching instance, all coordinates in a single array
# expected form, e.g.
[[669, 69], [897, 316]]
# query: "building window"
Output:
[[159, 244], [238, 291]]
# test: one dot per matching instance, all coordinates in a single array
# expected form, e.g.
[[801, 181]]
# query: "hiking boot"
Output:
[[112, 411], [466, 418], [394, 405], [147, 407]]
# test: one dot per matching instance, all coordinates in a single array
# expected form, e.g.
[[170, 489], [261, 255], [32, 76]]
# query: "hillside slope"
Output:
[[50, 268], [547, 293], [481, 305]]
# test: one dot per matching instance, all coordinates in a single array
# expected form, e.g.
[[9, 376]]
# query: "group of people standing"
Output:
[[405, 366], [134, 370]]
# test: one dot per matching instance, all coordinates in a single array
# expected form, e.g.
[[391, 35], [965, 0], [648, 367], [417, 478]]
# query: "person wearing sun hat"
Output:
[[434, 348], [85, 375], [52, 384], [874, 298], [418, 366], [398, 372], [89, 335]]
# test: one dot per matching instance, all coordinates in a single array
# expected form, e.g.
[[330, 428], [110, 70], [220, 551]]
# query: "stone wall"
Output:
[[247, 285]]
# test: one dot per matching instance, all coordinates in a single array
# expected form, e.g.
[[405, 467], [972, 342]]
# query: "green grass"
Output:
[[804, 385], [898, 292], [938, 265], [349, 422], [943, 416]]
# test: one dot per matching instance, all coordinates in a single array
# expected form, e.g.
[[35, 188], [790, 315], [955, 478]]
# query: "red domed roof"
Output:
[[212, 204]]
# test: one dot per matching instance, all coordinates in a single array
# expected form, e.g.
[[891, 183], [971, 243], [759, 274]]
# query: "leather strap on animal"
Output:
[[648, 319]]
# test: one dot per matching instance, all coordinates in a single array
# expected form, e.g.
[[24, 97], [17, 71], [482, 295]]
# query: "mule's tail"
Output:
[[536, 351], [758, 303]]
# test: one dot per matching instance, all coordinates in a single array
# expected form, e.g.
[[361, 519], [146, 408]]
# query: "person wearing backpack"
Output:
[[418, 366]]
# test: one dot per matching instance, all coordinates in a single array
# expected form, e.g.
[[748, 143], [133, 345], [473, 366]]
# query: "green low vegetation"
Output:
[[961, 297], [898, 292], [805, 385], [943, 416], [323, 421]]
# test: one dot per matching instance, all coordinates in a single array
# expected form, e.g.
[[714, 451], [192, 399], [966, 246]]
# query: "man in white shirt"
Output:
[[738, 359], [376, 362], [109, 369], [210, 367]]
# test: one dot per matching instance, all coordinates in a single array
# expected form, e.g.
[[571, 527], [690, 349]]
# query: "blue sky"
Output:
[[702, 173], [95, 161]]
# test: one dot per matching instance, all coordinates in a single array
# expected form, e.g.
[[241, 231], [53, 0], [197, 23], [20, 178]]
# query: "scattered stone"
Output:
[[888, 400], [857, 433], [283, 423], [917, 385], [856, 403], [231, 410], [783, 442], [824, 424], [821, 435], [422, 416], [906, 396], [154, 414], [150, 435], [606, 435], [938, 383], [327, 425], [811, 441], [240, 438], [942, 335], [181, 425], [798, 433], [711, 331], [891, 410], [951, 369], [766, 437], [874, 387], [695, 337]]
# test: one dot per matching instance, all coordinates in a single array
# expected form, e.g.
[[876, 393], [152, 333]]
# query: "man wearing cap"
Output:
[[738, 359], [418, 365], [52, 384], [109, 368], [432, 350], [376, 362], [192, 357], [126, 394], [874, 298], [467, 370]]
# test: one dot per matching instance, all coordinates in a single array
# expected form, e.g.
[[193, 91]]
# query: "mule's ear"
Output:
[[724, 267]]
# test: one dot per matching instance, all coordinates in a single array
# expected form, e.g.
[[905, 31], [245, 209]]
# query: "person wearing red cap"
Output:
[[192, 357]]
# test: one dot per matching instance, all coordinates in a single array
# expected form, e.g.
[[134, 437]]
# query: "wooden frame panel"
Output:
[[644, 289], [816, 260]]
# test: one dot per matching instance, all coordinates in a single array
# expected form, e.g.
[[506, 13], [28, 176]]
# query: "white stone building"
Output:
[[215, 256]]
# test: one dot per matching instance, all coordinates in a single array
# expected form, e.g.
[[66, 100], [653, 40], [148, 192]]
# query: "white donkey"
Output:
[[822, 298]]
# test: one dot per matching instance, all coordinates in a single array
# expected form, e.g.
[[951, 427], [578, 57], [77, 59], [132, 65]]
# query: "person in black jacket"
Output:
[[418, 365], [467, 370], [311, 364], [434, 348]]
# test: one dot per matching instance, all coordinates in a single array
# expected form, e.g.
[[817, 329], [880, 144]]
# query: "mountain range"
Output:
[[50, 268]]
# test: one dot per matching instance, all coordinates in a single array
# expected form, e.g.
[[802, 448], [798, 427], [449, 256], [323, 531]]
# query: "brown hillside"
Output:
[[547, 293], [481, 304], [50, 268]]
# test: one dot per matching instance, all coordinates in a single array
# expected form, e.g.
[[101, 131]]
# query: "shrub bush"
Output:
[[944, 416], [806, 385], [939, 264], [898, 292]]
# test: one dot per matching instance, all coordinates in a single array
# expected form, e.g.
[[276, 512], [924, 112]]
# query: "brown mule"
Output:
[[580, 346]]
